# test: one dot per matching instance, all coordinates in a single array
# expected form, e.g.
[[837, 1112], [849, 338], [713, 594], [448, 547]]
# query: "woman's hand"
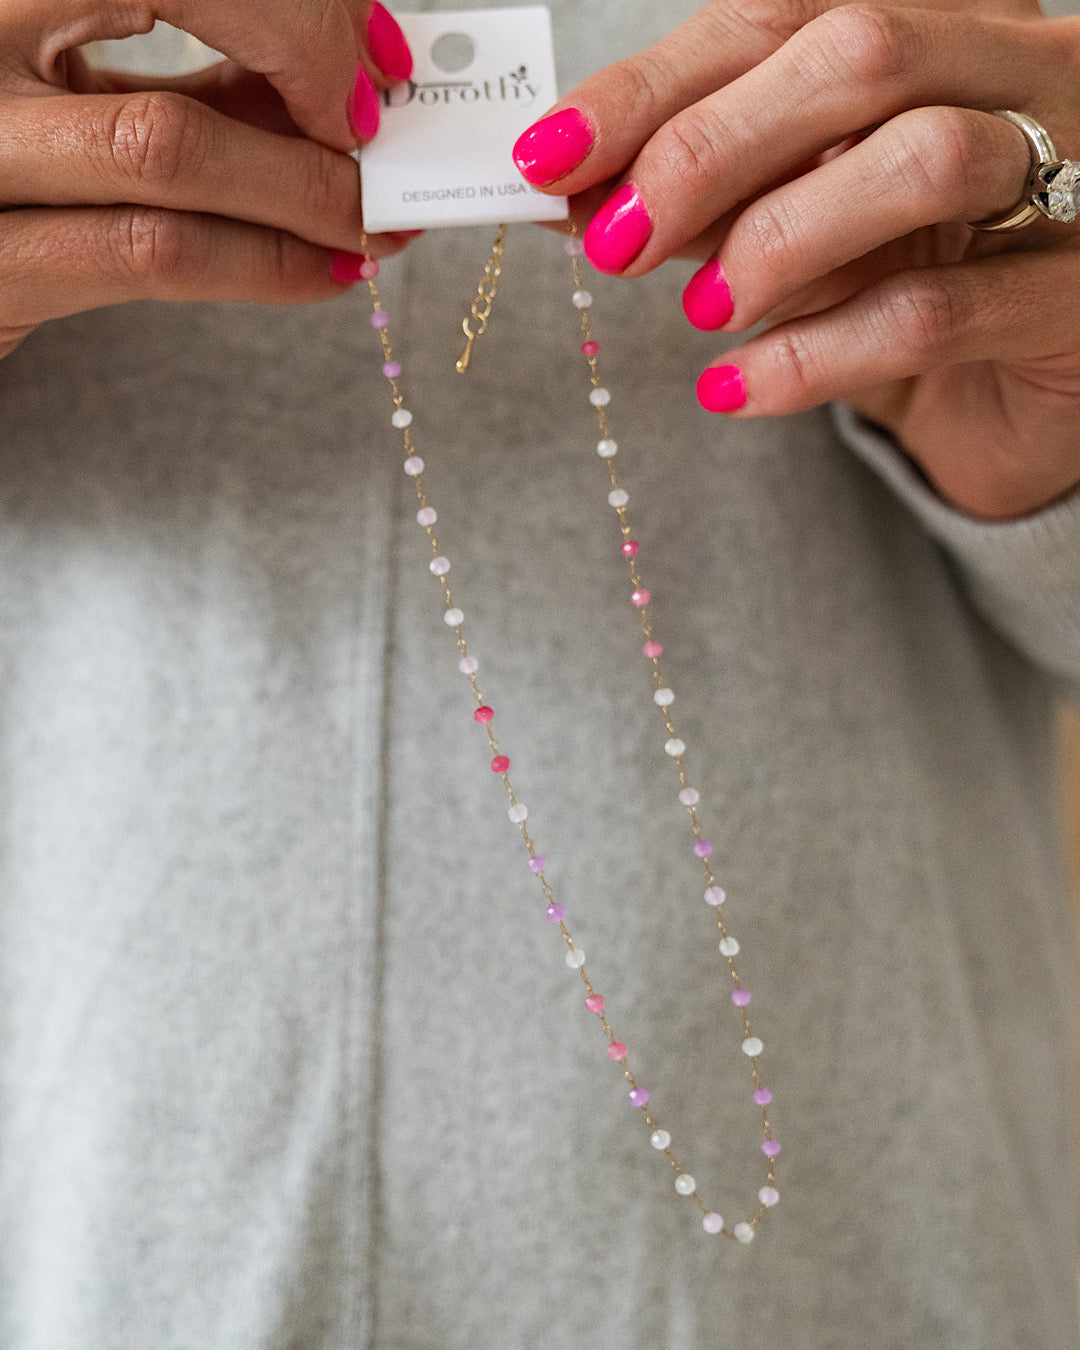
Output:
[[825, 159], [231, 184]]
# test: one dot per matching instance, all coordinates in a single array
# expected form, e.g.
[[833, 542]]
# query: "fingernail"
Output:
[[364, 107], [618, 231], [707, 299], [553, 146], [345, 267], [721, 388], [387, 45]]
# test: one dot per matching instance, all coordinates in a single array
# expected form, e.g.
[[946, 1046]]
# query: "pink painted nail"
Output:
[[387, 45], [553, 146], [345, 267], [364, 107], [721, 388], [618, 231], [707, 299]]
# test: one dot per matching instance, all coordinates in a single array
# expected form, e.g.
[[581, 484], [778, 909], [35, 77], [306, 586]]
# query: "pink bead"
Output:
[[630, 547], [771, 1147], [638, 1096], [380, 319], [556, 912], [392, 369], [538, 863], [590, 348], [595, 1003], [740, 997], [483, 714], [500, 764], [369, 269], [640, 597], [702, 848], [652, 650], [762, 1096], [616, 1050]]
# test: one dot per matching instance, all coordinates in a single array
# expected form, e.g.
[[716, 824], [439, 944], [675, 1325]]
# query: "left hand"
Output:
[[826, 164]]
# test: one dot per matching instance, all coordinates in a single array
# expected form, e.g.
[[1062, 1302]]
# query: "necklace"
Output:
[[474, 325]]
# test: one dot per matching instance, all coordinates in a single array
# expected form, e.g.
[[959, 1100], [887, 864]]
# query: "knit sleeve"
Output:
[[1023, 575]]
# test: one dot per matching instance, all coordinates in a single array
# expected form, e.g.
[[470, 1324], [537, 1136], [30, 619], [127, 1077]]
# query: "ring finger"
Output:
[[921, 168]]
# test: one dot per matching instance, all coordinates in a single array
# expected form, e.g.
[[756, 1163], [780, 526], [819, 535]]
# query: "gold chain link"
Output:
[[485, 298]]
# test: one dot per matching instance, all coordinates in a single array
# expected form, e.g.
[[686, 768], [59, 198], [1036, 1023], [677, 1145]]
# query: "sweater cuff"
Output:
[[1024, 575]]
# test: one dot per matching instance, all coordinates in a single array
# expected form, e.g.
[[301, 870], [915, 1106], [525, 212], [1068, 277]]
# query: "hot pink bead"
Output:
[[595, 1003], [484, 713], [369, 269], [616, 1050], [762, 1096], [590, 348], [702, 848], [500, 764], [630, 547], [392, 370], [556, 912], [771, 1147], [380, 319], [638, 1096], [538, 863], [740, 997], [652, 649], [640, 597]]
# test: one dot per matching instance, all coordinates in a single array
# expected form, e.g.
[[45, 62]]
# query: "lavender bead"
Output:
[[762, 1096], [538, 863], [740, 997], [392, 370], [556, 912], [702, 848], [771, 1147], [638, 1096]]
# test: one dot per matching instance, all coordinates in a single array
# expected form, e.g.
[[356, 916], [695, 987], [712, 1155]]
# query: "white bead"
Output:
[[675, 747], [518, 812], [468, 665], [581, 299], [440, 566], [689, 796], [660, 1139], [716, 895], [453, 617], [663, 698], [712, 1223], [605, 449], [618, 498], [402, 418], [600, 398], [685, 1184], [575, 959], [427, 515], [768, 1195], [728, 946], [744, 1233], [414, 466], [752, 1046]]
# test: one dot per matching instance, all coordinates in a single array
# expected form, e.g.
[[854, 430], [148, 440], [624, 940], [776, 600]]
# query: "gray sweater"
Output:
[[289, 1056]]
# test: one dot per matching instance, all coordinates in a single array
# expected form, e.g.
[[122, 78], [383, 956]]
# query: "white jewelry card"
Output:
[[442, 155]]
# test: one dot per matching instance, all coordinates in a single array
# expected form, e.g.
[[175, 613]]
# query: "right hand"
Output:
[[231, 184]]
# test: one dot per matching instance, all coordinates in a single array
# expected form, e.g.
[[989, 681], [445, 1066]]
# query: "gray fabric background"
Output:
[[289, 1057]]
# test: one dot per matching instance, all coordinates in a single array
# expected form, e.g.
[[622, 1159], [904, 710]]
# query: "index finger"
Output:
[[307, 49]]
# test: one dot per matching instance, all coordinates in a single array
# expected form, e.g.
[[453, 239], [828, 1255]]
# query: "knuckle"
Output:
[[939, 155], [865, 45], [641, 85], [800, 371], [146, 244], [331, 187], [765, 236], [778, 21], [925, 315], [687, 149], [154, 137]]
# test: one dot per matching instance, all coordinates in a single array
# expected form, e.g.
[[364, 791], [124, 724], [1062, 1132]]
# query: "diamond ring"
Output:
[[1052, 188]]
